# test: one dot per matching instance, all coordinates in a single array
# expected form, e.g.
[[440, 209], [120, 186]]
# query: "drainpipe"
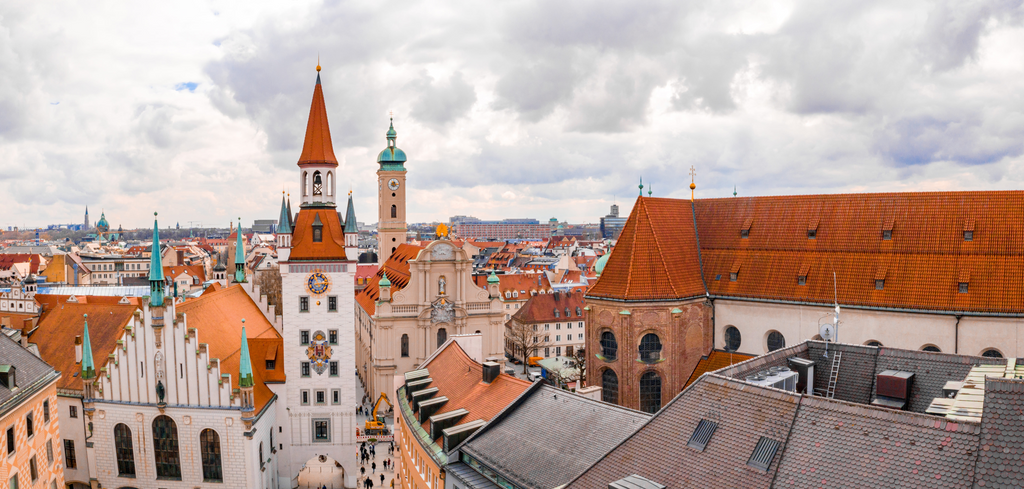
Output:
[[956, 337]]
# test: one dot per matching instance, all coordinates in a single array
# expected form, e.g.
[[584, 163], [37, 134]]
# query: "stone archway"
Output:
[[320, 471]]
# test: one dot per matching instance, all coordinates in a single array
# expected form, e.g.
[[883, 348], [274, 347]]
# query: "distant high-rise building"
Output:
[[611, 225]]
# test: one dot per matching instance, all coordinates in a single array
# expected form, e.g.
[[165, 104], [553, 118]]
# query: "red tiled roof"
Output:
[[331, 248], [655, 256], [541, 308], [366, 270], [460, 379], [717, 359], [217, 317], [317, 147], [191, 270], [8, 260], [922, 264], [397, 266]]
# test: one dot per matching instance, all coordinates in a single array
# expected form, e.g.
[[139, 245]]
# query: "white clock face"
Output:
[[393, 184]]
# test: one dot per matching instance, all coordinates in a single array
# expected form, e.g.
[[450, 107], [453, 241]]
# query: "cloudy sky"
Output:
[[506, 109]]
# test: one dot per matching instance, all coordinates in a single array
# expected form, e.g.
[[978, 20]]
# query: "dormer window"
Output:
[[745, 230], [879, 284], [556, 313], [812, 234], [963, 287], [318, 230], [744, 234], [968, 235], [887, 235], [734, 276], [801, 280]]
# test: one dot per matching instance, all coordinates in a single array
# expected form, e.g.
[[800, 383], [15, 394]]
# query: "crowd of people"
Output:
[[368, 455]]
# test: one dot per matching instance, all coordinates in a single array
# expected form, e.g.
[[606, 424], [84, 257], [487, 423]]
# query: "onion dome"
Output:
[[392, 158], [493, 278], [601, 262], [384, 282]]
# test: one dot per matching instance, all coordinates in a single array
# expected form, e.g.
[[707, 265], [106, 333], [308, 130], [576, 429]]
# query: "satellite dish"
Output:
[[827, 331]]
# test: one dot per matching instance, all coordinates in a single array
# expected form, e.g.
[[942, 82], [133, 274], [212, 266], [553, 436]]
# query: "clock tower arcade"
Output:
[[317, 305], [391, 223]]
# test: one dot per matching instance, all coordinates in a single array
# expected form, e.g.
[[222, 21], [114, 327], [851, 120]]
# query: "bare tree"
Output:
[[579, 355], [524, 340], [269, 281]]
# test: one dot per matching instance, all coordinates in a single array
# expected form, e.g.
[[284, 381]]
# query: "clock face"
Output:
[[318, 283], [393, 184]]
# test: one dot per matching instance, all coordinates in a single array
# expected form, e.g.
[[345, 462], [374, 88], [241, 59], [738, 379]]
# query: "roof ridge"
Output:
[[657, 245]]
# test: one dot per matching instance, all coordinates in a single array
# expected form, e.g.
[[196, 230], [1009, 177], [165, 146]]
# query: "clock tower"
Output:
[[317, 303], [391, 224]]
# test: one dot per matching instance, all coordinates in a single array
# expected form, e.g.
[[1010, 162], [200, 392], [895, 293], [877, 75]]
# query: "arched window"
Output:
[[165, 448], [931, 348], [567, 314], [209, 443], [609, 347], [123, 450], [405, 345], [318, 184], [650, 392], [578, 311], [442, 336], [305, 183], [873, 343], [732, 338], [556, 312], [330, 183], [776, 341], [609, 386], [394, 211], [992, 353], [650, 348], [261, 455]]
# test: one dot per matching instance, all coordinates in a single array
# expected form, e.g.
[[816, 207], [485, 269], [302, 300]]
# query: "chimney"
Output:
[[491, 371], [78, 349]]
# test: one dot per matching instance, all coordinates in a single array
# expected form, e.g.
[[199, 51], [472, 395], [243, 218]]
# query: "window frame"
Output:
[[124, 452], [303, 303], [332, 303], [305, 369], [326, 423]]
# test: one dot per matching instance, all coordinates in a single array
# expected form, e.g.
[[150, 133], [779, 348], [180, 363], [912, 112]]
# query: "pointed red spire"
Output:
[[317, 148]]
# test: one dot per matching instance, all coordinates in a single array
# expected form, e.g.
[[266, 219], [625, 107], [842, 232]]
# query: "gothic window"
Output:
[[123, 450], [732, 338], [318, 184], [209, 443], [405, 345], [610, 386], [442, 336], [650, 392], [394, 211], [609, 347], [650, 348], [165, 448]]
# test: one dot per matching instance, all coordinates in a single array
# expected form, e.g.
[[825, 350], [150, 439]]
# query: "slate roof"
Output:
[[921, 265], [30, 371], [1002, 435], [531, 447]]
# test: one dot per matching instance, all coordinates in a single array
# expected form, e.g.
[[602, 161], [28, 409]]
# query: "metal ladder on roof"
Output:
[[834, 376]]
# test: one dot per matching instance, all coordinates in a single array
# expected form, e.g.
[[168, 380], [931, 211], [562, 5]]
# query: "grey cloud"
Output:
[[440, 102], [534, 87], [954, 27], [925, 139]]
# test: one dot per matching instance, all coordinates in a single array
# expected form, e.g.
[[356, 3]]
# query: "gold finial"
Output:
[[350, 192], [442, 230], [318, 62], [693, 176]]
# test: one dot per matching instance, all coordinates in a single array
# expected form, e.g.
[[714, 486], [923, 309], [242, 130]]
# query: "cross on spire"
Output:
[[693, 174]]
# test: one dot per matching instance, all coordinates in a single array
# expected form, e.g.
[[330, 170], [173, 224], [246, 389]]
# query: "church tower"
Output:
[[391, 223], [85, 227], [318, 300]]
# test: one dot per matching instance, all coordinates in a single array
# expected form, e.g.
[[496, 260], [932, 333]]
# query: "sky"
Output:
[[197, 109]]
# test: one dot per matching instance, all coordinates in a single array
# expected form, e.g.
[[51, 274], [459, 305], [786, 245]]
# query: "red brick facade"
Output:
[[684, 329]]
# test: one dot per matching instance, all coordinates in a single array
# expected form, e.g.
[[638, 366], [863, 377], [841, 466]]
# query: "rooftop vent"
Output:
[[635, 482], [456, 434], [490, 372], [702, 435], [763, 454], [893, 389]]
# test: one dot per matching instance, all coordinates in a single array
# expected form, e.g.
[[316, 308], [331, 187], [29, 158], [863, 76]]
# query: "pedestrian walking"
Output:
[[382, 479], [362, 470], [374, 467]]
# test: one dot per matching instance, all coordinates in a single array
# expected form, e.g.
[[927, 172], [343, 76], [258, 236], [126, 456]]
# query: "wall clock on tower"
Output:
[[318, 283], [393, 184]]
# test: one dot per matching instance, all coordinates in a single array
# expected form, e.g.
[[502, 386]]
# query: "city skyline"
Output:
[[519, 110]]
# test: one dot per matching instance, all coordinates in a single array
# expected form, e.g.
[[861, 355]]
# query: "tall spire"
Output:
[[641, 186], [317, 148], [350, 216], [284, 222], [291, 217], [239, 255], [245, 364], [156, 269], [88, 368]]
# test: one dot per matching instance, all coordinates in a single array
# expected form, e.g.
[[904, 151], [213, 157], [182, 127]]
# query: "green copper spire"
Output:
[[392, 158], [239, 256], [350, 216], [156, 269], [245, 365], [641, 186], [88, 368], [291, 217], [384, 282], [650, 190], [733, 190], [284, 225], [493, 278]]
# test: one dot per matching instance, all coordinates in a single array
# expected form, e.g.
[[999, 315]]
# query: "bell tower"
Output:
[[391, 223]]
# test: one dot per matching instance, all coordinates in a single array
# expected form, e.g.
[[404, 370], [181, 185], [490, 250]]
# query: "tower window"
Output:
[[318, 184], [394, 211], [318, 234]]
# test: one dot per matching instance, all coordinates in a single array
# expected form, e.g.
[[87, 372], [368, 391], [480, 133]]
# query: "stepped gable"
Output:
[[331, 248], [56, 331], [397, 267], [217, 318], [655, 257]]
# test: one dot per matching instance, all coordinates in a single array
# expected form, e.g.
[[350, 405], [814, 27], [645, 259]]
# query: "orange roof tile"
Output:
[[55, 335], [541, 308], [331, 248], [317, 147], [717, 359], [460, 379], [218, 318], [397, 266]]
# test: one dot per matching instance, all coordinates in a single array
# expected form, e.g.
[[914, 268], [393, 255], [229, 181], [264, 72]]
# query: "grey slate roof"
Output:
[[31, 372], [467, 478], [551, 436], [1002, 435]]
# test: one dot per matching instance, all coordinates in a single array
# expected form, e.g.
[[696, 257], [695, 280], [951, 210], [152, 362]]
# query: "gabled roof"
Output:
[[534, 448], [541, 308], [7, 260], [655, 257], [397, 267], [56, 332], [331, 248], [317, 147]]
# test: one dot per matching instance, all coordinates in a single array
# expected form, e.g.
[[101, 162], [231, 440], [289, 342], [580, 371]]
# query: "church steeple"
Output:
[[284, 222], [350, 217], [156, 269], [239, 256], [317, 163], [88, 367]]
